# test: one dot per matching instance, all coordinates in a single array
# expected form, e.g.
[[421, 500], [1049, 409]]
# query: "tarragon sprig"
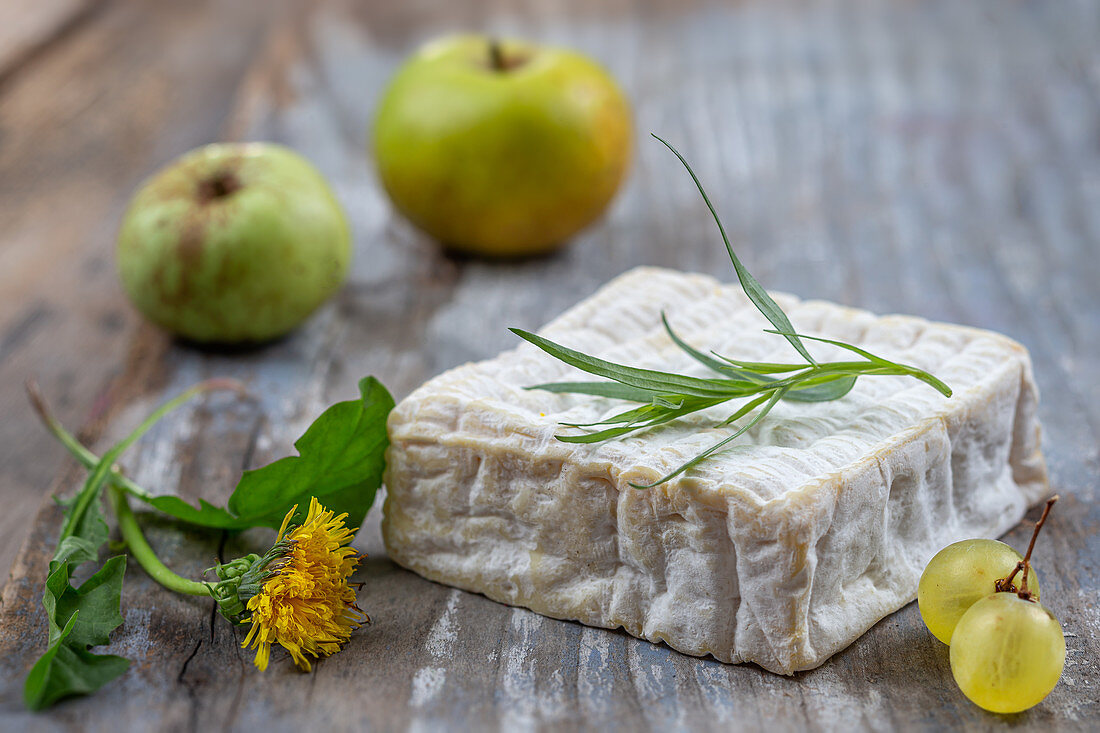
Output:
[[665, 396]]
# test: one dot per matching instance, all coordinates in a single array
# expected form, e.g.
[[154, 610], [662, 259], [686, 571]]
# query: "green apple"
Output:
[[233, 243], [501, 148]]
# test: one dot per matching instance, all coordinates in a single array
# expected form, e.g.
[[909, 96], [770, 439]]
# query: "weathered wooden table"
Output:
[[935, 158]]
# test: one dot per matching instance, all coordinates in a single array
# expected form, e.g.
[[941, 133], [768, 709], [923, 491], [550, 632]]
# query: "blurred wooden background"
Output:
[[936, 158]]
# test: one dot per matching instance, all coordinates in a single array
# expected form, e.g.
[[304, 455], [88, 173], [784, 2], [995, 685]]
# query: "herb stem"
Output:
[[144, 554]]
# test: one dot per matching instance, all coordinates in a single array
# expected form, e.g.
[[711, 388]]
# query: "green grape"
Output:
[[960, 575], [1007, 653]]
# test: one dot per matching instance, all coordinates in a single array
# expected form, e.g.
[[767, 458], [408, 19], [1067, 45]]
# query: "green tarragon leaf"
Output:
[[709, 361], [613, 390], [910, 371], [832, 388], [647, 379], [639, 418], [753, 289], [775, 397], [821, 390], [668, 396]]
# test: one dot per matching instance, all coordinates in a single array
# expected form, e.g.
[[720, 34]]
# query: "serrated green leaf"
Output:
[[84, 517], [204, 515], [340, 461], [79, 550], [98, 600], [81, 617], [347, 438], [65, 670]]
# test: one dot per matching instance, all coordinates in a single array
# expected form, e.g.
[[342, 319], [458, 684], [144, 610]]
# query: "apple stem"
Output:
[[218, 186], [496, 55]]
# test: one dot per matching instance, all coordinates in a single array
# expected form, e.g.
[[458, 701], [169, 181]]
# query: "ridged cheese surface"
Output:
[[780, 550]]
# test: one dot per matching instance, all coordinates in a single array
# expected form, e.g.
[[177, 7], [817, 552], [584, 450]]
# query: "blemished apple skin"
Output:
[[501, 162], [233, 243]]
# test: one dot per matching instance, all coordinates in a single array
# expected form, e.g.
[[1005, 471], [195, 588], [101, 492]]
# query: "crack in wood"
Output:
[[183, 668], [191, 688], [246, 458]]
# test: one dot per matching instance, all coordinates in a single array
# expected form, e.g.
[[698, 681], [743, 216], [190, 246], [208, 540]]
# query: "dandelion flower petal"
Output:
[[307, 605]]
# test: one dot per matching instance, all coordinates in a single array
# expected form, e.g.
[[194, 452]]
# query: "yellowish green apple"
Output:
[[233, 243], [501, 148]]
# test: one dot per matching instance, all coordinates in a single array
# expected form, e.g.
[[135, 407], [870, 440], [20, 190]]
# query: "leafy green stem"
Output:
[[141, 550], [340, 460], [87, 458], [79, 618], [105, 465]]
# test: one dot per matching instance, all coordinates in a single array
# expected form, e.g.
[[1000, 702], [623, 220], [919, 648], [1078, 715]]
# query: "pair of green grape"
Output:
[[1007, 650]]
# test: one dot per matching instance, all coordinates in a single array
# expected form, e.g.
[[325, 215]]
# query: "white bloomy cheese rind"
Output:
[[781, 550]]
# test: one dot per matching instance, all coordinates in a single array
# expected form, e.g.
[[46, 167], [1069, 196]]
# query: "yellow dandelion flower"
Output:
[[305, 603]]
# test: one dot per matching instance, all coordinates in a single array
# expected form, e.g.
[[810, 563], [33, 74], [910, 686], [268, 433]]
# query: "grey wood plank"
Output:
[[932, 158], [28, 26], [81, 124]]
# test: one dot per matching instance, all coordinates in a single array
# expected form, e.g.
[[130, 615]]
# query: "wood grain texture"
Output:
[[934, 158], [28, 27]]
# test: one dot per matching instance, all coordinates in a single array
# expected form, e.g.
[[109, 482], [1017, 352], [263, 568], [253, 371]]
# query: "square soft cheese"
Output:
[[782, 549]]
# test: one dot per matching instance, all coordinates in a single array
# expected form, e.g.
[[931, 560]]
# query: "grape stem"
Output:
[[1004, 585]]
